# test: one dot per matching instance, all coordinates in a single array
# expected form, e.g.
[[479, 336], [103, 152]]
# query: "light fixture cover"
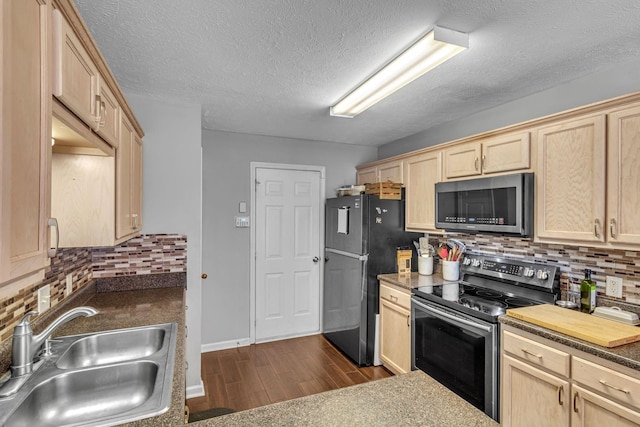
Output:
[[436, 47]]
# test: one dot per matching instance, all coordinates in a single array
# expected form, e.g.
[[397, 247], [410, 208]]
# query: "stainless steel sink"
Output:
[[112, 347], [75, 397], [99, 379]]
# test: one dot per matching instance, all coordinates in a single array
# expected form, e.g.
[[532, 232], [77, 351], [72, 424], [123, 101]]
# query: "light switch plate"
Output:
[[614, 287], [44, 298], [242, 222]]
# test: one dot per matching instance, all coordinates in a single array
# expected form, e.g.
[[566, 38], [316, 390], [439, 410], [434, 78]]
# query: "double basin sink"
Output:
[[97, 379]]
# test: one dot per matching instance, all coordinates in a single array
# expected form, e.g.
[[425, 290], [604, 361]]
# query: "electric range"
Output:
[[454, 325]]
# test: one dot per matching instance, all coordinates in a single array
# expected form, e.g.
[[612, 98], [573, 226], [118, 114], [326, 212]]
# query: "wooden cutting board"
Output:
[[606, 333]]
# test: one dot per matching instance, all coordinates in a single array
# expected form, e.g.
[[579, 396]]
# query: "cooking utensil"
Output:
[[424, 244], [418, 248], [443, 251]]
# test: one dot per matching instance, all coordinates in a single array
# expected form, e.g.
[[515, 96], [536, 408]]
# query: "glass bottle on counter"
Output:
[[587, 293]]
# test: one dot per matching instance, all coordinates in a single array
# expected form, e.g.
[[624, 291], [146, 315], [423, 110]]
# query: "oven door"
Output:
[[459, 351]]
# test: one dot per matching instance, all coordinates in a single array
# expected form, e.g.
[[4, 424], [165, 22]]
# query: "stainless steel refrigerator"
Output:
[[362, 234]]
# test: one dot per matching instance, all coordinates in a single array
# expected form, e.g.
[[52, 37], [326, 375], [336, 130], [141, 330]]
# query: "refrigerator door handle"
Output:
[[364, 278], [348, 254]]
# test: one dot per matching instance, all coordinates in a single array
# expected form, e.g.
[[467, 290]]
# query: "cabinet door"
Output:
[[462, 160], [532, 397], [367, 176], [391, 171], [592, 410], [124, 219], [75, 78], [25, 141], [421, 173], [570, 180], [506, 153], [623, 176], [108, 109], [395, 337]]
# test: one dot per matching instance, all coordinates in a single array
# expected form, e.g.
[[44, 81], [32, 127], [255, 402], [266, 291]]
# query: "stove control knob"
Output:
[[529, 272], [466, 261], [542, 275], [475, 262]]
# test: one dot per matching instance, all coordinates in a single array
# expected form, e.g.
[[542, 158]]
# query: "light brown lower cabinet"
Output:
[[395, 328], [547, 384]]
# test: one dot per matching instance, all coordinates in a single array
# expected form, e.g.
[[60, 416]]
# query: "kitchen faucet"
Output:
[[25, 346]]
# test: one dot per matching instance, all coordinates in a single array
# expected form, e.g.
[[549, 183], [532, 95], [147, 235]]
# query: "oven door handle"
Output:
[[454, 318]]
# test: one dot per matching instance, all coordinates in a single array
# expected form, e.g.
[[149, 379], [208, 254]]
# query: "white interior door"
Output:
[[287, 221]]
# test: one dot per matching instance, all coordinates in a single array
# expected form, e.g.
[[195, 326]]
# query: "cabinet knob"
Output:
[[204, 275]]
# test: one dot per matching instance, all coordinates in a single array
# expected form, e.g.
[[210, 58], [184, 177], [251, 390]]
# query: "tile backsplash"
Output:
[[572, 260], [146, 254]]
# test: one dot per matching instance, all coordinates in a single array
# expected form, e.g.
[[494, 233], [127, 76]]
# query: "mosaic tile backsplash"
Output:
[[146, 254]]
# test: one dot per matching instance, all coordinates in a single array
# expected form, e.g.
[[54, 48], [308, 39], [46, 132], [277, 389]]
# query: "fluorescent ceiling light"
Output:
[[433, 49]]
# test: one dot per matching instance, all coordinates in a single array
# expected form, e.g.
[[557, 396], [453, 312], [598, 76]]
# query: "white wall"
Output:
[[617, 80], [172, 196], [226, 249]]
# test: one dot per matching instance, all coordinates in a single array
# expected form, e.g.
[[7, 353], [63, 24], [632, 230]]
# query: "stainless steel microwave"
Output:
[[500, 204]]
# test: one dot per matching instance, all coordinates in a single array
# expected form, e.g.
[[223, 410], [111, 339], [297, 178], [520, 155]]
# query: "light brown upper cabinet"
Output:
[[75, 77], [491, 155], [367, 175], [623, 176], [128, 181], [421, 173], [383, 172], [391, 171], [570, 180], [25, 143]]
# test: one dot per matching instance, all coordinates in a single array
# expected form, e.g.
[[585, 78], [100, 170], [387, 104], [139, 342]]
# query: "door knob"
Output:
[[316, 259]]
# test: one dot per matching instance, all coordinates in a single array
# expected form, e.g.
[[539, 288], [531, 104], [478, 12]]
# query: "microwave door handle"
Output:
[[453, 318]]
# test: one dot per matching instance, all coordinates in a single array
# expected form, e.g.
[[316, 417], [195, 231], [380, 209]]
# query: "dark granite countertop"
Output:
[[125, 310], [411, 399], [414, 280], [627, 355]]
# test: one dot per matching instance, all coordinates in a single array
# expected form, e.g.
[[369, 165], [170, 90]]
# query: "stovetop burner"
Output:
[[519, 302], [488, 294]]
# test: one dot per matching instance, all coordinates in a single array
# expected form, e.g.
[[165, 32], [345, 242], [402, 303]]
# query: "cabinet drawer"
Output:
[[395, 295], [606, 381], [537, 354]]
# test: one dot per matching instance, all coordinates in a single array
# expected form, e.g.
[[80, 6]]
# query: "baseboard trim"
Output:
[[195, 390], [244, 342]]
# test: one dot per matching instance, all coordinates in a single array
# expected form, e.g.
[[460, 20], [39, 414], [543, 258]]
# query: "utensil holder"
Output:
[[450, 270], [425, 265]]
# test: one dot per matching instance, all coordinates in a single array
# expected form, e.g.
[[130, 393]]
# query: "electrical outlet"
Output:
[[614, 287], [69, 288], [44, 298]]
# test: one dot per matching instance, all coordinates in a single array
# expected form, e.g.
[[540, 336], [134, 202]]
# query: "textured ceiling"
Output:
[[273, 67]]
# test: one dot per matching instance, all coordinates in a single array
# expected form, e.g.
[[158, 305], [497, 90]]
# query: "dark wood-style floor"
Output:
[[248, 377]]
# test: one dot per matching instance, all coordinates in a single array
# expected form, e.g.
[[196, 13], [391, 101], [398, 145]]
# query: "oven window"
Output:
[[454, 356]]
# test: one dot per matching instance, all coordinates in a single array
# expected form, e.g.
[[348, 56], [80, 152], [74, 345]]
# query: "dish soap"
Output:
[[587, 293]]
